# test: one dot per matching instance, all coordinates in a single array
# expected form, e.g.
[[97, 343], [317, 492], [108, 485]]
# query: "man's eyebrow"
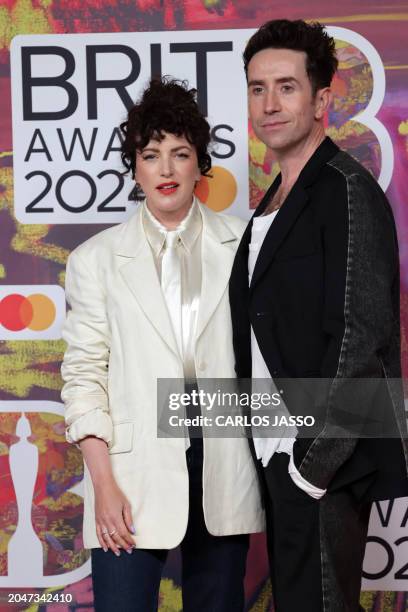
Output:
[[287, 79], [253, 82], [283, 79]]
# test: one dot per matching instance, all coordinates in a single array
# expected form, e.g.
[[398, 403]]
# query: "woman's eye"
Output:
[[183, 155], [148, 156]]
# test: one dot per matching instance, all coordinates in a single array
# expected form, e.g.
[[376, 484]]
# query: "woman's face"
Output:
[[167, 172]]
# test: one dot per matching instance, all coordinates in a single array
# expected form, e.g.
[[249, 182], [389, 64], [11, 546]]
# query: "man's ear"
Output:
[[322, 102]]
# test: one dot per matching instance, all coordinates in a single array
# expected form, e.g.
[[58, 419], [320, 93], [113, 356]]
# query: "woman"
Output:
[[149, 300]]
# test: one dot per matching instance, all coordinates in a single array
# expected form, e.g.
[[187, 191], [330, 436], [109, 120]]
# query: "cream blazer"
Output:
[[119, 341]]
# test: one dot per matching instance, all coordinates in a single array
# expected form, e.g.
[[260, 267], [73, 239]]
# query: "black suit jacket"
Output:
[[324, 302]]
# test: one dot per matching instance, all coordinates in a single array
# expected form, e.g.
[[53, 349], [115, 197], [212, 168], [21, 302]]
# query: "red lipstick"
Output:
[[167, 188]]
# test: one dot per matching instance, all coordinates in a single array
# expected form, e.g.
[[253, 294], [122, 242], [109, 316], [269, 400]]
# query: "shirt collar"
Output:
[[188, 230]]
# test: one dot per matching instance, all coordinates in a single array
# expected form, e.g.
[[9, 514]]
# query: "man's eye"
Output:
[[257, 90], [287, 88], [182, 155]]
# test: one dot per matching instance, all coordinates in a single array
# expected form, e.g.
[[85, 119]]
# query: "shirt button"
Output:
[[202, 365]]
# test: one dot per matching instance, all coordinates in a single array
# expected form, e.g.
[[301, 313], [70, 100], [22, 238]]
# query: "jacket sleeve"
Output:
[[361, 270], [85, 364]]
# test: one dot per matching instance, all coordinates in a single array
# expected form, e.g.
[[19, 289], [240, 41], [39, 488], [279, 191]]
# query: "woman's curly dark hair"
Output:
[[166, 105]]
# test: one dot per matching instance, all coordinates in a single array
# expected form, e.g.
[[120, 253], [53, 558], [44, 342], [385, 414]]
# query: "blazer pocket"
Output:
[[122, 438]]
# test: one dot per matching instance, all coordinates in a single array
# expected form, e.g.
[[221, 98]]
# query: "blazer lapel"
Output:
[[217, 259], [140, 275], [293, 206], [286, 217]]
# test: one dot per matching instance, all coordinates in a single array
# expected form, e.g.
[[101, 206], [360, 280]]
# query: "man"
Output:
[[322, 300]]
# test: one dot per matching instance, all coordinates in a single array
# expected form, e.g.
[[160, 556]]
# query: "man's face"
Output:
[[282, 108]]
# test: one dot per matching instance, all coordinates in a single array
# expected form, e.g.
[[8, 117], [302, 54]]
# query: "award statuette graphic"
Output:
[[25, 553], [24, 468]]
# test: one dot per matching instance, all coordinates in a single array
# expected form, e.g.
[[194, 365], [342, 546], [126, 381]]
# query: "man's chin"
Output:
[[277, 144]]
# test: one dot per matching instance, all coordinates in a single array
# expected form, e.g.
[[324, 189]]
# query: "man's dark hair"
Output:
[[166, 105], [321, 61]]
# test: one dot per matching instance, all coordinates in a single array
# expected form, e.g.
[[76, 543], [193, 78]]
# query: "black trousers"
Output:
[[315, 547], [213, 567]]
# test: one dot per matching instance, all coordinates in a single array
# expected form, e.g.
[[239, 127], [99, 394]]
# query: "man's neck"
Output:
[[292, 162]]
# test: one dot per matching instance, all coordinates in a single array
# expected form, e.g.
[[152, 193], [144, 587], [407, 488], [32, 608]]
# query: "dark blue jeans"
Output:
[[213, 567]]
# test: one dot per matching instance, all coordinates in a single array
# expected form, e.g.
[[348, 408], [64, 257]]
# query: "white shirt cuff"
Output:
[[303, 484]]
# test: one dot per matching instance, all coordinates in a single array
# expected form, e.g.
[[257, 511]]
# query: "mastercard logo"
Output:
[[36, 312], [31, 312], [218, 192]]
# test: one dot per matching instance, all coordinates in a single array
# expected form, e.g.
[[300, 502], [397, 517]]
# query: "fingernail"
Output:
[[117, 553], [105, 550], [132, 529], [129, 551]]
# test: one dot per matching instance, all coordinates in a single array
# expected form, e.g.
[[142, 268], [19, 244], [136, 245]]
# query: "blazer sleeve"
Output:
[[361, 273], [85, 365]]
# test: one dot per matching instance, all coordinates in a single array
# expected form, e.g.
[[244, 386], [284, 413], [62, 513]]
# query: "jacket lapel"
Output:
[[217, 259], [140, 275], [293, 206], [286, 217]]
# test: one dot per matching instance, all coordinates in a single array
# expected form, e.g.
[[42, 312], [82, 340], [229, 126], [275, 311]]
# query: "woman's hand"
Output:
[[113, 518]]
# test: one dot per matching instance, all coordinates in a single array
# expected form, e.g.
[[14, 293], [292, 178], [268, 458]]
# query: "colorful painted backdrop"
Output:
[[36, 255]]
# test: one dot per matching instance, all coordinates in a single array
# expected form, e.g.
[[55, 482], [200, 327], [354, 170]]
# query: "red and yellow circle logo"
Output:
[[217, 192], [36, 312]]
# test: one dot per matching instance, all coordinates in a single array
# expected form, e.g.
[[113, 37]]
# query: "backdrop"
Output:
[[68, 70]]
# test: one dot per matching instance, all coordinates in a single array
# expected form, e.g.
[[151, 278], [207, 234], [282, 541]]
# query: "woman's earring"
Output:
[[137, 194]]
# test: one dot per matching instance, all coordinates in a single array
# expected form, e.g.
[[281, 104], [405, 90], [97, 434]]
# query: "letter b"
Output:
[[29, 81]]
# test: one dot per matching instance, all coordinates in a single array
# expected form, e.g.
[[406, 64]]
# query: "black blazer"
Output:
[[324, 302]]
